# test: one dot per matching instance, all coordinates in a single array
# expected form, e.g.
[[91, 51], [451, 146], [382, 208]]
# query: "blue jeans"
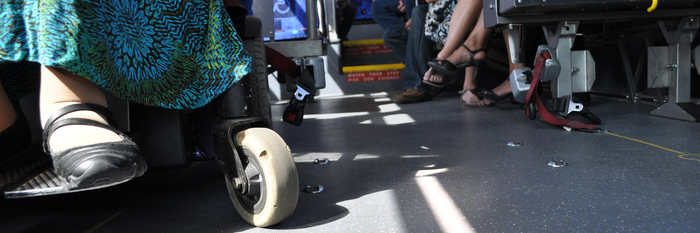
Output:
[[395, 38], [385, 13], [419, 50]]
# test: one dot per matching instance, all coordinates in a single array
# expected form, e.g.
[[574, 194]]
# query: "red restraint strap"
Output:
[[282, 63], [532, 95]]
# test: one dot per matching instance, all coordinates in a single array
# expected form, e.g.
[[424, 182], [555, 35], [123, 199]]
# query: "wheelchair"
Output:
[[234, 129]]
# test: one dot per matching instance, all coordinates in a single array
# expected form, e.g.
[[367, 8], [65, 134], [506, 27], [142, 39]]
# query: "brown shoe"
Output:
[[412, 96]]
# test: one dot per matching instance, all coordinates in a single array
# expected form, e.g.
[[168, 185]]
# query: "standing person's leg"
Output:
[[419, 51], [346, 15]]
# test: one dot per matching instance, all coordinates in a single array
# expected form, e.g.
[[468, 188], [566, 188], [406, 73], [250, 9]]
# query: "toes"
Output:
[[437, 77], [427, 76], [472, 100]]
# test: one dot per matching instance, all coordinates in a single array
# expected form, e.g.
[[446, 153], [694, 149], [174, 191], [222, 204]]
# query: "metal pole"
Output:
[[311, 20]]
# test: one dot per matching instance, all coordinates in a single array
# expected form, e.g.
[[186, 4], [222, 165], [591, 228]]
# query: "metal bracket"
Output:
[[561, 39], [514, 42], [679, 35], [572, 106]]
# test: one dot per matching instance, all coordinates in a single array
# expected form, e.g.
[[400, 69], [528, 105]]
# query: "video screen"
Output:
[[290, 19]]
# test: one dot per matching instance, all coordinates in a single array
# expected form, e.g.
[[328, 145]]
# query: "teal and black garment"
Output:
[[165, 53]]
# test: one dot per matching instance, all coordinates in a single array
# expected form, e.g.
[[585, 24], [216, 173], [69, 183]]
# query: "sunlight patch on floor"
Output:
[[379, 94], [398, 119], [380, 210], [384, 108], [382, 100], [330, 116], [448, 216], [365, 156]]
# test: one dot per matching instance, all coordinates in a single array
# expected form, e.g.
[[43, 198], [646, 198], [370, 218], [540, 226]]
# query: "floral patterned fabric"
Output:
[[437, 20], [166, 53]]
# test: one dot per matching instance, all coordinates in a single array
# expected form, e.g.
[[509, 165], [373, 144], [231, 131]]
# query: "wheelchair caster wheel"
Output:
[[272, 175], [531, 111]]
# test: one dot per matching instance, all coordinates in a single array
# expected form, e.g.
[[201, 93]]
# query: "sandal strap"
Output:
[[52, 125], [477, 92], [472, 53], [466, 90]]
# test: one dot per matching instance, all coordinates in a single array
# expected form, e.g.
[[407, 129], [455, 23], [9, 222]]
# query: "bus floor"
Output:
[[435, 166]]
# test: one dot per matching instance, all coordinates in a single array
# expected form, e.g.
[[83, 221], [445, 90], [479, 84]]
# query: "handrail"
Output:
[[654, 3]]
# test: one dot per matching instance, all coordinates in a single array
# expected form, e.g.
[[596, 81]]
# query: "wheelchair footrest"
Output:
[[30, 179], [44, 183]]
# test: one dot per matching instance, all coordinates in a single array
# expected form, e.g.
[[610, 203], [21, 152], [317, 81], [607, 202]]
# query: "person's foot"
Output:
[[501, 92], [434, 91], [437, 79], [471, 100], [434, 77], [412, 96], [81, 162], [71, 136], [503, 89]]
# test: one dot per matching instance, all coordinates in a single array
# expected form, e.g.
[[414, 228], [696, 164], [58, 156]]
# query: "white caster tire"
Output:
[[269, 165]]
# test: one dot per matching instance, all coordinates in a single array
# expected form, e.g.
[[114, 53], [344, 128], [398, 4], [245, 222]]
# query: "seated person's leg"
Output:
[[84, 155], [396, 38], [470, 53], [468, 98], [504, 89], [419, 50], [464, 17], [462, 21], [386, 13]]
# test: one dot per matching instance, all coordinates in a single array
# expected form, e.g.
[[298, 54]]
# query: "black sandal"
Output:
[[489, 94], [446, 67], [95, 165], [446, 80], [461, 94]]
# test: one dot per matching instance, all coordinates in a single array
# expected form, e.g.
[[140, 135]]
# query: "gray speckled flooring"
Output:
[[426, 167]]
